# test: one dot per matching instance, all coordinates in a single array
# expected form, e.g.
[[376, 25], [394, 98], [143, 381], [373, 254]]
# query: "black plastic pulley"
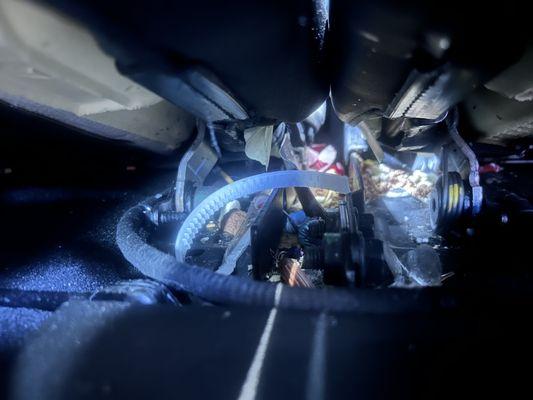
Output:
[[449, 202]]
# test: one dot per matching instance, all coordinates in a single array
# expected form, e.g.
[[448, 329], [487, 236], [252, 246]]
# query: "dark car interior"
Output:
[[319, 199]]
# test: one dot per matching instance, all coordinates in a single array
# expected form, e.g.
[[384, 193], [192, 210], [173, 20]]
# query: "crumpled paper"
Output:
[[259, 143]]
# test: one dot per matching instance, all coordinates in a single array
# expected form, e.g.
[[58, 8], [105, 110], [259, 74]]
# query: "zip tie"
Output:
[[248, 186]]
